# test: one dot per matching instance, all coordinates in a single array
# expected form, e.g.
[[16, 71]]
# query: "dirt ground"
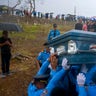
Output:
[[23, 62], [23, 68]]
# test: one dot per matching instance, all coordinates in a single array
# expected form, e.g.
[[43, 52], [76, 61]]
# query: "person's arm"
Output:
[[92, 47], [81, 81], [90, 74], [39, 57], [57, 76], [32, 90], [37, 64], [2, 44], [82, 91], [43, 68], [38, 60], [91, 90], [29, 90], [58, 32], [8, 42]]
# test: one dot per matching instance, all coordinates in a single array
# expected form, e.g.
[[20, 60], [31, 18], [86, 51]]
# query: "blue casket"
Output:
[[79, 47]]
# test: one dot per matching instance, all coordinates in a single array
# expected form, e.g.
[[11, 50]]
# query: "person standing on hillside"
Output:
[[53, 33], [5, 45], [79, 25], [84, 28]]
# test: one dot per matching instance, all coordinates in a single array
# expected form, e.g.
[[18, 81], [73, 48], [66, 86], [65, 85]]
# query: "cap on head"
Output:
[[45, 44], [55, 55], [54, 25], [41, 78]]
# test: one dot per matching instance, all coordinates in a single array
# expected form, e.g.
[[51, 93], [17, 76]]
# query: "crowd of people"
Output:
[[64, 80], [53, 79], [89, 25]]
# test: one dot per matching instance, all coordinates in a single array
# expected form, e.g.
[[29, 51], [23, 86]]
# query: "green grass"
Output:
[[30, 31]]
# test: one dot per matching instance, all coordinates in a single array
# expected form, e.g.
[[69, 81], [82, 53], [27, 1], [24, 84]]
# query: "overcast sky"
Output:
[[83, 7]]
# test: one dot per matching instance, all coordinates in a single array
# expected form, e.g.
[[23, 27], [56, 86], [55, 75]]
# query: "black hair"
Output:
[[45, 44], [56, 56], [5, 32], [54, 25]]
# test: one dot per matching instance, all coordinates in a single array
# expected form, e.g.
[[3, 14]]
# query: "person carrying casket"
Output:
[[41, 86]]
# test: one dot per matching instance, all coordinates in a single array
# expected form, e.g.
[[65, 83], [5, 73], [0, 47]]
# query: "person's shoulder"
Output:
[[51, 30], [44, 51], [58, 30], [40, 53], [76, 23]]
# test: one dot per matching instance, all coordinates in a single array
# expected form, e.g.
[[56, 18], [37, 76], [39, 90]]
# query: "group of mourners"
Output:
[[53, 79], [89, 25]]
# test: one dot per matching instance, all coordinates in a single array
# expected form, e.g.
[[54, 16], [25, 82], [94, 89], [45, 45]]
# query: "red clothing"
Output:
[[84, 27]]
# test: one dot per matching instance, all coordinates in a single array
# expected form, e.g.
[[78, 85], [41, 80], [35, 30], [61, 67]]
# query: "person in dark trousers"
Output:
[[79, 25], [5, 44]]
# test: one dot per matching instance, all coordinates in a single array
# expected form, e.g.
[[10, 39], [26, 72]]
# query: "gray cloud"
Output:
[[83, 7]]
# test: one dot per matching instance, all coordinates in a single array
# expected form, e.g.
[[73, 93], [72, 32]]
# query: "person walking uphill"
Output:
[[53, 33], [5, 45]]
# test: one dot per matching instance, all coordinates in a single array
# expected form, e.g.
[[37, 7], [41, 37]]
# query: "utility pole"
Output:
[[34, 4], [8, 7], [8, 3], [74, 12]]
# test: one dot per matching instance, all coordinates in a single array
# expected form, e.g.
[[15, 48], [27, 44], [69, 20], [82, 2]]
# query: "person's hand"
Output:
[[81, 79], [7, 43], [50, 59], [52, 50], [65, 65]]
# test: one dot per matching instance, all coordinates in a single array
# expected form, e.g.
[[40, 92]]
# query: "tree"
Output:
[[18, 3], [32, 5]]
